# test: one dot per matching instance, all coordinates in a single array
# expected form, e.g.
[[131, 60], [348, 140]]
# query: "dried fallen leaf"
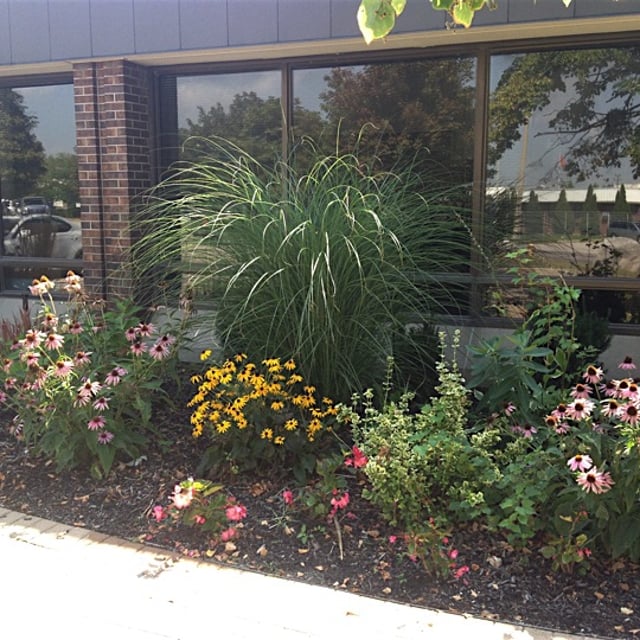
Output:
[[209, 553], [262, 551], [624, 586], [229, 547], [373, 533], [386, 590], [319, 567], [599, 595], [626, 611], [495, 562], [303, 550], [288, 531]]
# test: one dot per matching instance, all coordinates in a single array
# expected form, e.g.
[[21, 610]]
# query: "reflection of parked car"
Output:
[[33, 204], [45, 237], [624, 229]]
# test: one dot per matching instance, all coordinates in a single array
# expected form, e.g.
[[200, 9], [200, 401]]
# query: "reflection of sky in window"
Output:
[[545, 147], [207, 91], [53, 106]]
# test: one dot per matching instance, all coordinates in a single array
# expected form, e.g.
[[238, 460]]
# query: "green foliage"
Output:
[[528, 366], [22, 159], [422, 465], [259, 416], [327, 267], [377, 18], [81, 384]]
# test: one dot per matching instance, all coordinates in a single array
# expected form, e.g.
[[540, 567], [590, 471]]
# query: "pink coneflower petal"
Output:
[[101, 403], [146, 329], [53, 341], [115, 376], [593, 374], [581, 391], [105, 437], [76, 328], [159, 351], [610, 407], [82, 357], [627, 364], [96, 423], [138, 348], [609, 388], [63, 368], [595, 481], [629, 413], [580, 408], [580, 462], [131, 334]]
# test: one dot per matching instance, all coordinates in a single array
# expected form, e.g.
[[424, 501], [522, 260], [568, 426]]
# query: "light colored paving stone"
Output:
[[58, 582]]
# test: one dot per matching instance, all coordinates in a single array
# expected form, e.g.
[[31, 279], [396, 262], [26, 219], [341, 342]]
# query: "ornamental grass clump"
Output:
[[81, 383], [327, 265], [259, 415]]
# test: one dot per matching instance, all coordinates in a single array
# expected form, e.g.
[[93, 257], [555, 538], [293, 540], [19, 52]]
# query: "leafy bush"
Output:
[[327, 267], [259, 415], [81, 384], [422, 465]]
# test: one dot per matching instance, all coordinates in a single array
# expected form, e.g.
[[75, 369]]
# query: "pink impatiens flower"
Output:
[[287, 497], [357, 460], [159, 513], [235, 512], [595, 481], [227, 534], [580, 462]]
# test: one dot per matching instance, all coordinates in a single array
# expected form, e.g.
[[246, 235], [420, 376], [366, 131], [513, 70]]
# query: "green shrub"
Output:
[[81, 383], [327, 267]]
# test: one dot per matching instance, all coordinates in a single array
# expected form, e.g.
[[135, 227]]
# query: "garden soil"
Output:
[[506, 584]]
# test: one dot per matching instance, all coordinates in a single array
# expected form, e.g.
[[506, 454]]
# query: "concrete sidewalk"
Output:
[[70, 583]]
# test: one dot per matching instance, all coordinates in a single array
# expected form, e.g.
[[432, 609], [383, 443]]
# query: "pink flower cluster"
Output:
[[588, 476]]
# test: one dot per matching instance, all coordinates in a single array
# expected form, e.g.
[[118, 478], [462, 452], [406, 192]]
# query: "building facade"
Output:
[[97, 98]]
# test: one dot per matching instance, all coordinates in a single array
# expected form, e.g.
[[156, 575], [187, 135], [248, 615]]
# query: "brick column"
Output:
[[114, 148]]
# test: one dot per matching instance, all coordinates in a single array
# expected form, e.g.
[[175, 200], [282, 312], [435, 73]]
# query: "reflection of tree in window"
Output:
[[22, 160], [592, 117], [419, 110]]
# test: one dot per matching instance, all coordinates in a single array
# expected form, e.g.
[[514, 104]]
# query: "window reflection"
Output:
[[243, 108], [563, 164], [38, 180], [420, 112]]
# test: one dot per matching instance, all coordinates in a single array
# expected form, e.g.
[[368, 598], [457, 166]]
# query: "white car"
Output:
[[45, 236]]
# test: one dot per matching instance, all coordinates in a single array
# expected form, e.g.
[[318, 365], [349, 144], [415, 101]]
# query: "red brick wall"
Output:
[[114, 142]]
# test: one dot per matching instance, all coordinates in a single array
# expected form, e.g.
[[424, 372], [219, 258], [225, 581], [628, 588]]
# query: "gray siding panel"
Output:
[[343, 19], [29, 26], [70, 27], [304, 20], [586, 8], [419, 16], [252, 22], [5, 41], [112, 27], [499, 15], [203, 24], [156, 25], [528, 10]]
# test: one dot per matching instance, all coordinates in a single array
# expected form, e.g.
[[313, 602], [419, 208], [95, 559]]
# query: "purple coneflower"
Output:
[[595, 481]]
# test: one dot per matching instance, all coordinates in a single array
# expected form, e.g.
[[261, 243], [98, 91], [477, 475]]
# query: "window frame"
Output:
[[482, 52]]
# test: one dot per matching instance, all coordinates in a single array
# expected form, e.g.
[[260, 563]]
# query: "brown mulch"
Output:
[[502, 583]]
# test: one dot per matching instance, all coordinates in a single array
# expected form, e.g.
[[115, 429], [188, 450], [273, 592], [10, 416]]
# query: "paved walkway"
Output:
[[69, 583]]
